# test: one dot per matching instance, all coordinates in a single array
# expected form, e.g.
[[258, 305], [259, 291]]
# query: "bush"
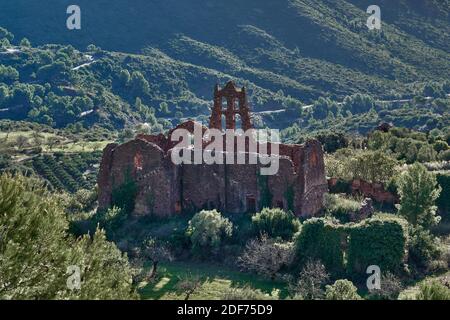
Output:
[[391, 286], [333, 141], [341, 186], [433, 290], [342, 290], [422, 247], [266, 257], [311, 283], [110, 220], [443, 202], [340, 208], [358, 103], [275, 223], [124, 196], [376, 241], [444, 155], [207, 230], [320, 239]]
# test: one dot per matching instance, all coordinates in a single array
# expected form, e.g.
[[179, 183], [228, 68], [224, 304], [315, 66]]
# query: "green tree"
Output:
[[342, 290], [434, 90], [372, 166], [164, 108], [124, 77], [8, 74], [322, 107], [4, 94], [418, 190], [25, 43], [426, 153], [207, 230], [358, 103], [36, 250], [139, 85], [275, 223], [5, 34]]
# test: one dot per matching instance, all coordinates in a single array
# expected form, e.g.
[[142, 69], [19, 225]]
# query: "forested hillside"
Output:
[[299, 48]]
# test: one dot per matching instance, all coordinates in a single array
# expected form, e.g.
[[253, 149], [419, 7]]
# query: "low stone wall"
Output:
[[375, 191]]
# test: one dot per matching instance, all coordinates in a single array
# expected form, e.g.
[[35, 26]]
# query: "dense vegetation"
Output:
[[168, 71], [61, 104], [38, 255]]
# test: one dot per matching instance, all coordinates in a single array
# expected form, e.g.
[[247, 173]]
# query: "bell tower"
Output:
[[232, 96]]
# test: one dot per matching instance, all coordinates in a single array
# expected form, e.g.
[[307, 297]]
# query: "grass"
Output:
[[411, 292], [215, 281]]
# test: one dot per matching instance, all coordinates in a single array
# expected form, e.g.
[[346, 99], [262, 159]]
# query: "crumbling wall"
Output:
[[241, 184], [203, 187], [312, 174], [165, 188]]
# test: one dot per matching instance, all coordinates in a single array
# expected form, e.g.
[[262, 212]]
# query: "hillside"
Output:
[[275, 36], [288, 53]]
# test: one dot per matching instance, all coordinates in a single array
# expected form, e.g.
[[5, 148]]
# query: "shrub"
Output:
[[311, 282], [342, 290], [443, 202], [207, 230], [341, 186], [422, 247], [275, 223], [266, 257], [391, 286], [358, 103], [376, 241], [339, 207], [124, 196], [332, 141], [8, 74], [110, 220], [433, 290], [320, 239], [444, 155]]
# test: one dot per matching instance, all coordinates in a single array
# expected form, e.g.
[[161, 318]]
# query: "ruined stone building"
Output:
[[165, 189]]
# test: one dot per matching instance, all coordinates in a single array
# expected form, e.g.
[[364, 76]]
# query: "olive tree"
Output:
[[207, 230]]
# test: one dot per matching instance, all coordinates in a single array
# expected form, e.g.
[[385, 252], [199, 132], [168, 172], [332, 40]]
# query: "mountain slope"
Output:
[[287, 52]]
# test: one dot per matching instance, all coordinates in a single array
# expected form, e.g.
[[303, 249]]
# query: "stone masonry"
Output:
[[165, 189]]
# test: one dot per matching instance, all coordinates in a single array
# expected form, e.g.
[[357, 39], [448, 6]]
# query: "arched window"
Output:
[[224, 122], [238, 121]]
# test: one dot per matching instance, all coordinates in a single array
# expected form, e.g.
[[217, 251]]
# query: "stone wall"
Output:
[[375, 191], [165, 189]]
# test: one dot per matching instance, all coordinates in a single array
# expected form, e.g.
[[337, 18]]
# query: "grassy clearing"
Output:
[[215, 281]]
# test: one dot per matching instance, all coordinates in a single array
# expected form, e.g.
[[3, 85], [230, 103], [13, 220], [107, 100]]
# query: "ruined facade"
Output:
[[164, 189]]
